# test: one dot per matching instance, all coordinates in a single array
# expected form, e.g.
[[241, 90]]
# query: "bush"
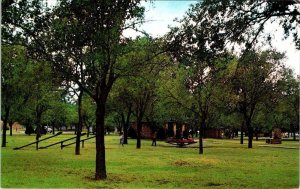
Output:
[[29, 130]]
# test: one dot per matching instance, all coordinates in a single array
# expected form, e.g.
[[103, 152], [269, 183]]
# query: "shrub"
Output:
[[29, 130]]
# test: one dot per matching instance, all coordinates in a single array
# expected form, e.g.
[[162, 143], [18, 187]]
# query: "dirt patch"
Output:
[[196, 162], [121, 178], [162, 182], [90, 178], [214, 184], [181, 163]]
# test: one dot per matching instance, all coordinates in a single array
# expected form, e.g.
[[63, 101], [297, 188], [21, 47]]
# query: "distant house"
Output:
[[214, 133], [169, 129], [172, 129], [176, 129], [147, 130], [16, 126]]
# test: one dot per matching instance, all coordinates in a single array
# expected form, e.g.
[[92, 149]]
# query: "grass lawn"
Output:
[[224, 164]]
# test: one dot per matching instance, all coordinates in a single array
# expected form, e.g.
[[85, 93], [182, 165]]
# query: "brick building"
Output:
[[147, 130]]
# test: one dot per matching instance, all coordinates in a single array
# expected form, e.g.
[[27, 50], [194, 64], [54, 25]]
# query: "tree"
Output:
[[14, 62], [246, 20], [222, 109], [122, 102], [29, 130], [173, 99], [196, 45], [76, 93], [136, 90], [25, 104], [79, 34], [40, 95], [80, 117], [88, 113], [57, 113], [72, 115], [255, 79], [143, 98], [287, 107]]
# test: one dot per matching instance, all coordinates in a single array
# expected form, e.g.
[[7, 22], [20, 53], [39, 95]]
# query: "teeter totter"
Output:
[[37, 142]]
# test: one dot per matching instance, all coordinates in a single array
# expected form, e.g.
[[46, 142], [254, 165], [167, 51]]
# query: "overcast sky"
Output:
[[160, 14]]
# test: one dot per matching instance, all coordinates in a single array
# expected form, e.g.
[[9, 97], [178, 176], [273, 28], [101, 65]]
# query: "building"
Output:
[[214, 133], [146, 132]]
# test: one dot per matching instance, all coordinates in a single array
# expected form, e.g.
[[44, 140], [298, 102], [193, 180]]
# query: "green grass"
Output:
[[224, 164]]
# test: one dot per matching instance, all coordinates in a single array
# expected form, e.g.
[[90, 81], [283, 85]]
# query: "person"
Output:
[[154, 138], [122, 138]]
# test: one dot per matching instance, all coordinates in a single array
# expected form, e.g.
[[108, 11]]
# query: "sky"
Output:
[[160, 14]]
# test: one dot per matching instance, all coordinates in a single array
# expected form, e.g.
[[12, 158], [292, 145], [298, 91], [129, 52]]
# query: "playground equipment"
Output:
[[61, 142], [179, 134], [181, 142], [37, 142], [62, 146]]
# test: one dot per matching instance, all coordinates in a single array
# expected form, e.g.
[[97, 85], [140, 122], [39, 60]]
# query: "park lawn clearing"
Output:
[[224, 164]]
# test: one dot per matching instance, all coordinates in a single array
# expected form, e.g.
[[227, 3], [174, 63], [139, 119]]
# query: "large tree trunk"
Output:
[[294, 133], [126, 126], [38, 130], [200, 142], [138, 138], [204, 134], [88, 131], [125, 130], [201, 132], [4, 126], [38, 126], [10, 127], [256, 134], [250, 136], [100, 147], [293, 128], [53, 129], [79, 126], [242, 133]]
